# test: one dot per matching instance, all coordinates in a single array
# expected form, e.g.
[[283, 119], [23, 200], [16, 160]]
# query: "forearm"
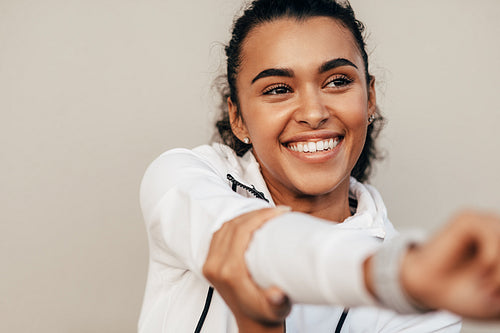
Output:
[[384, 278], [456, 270], [313, 261]]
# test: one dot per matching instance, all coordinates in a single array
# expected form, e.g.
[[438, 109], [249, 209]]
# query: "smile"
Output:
[[314, 146]]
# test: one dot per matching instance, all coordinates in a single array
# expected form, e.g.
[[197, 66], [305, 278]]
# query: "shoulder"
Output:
[[198, 169], [216, 158]]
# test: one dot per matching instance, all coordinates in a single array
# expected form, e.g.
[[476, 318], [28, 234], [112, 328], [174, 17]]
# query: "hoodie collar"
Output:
[[370, 214]]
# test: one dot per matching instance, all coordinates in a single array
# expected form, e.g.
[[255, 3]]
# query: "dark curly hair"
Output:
[[262, 11]]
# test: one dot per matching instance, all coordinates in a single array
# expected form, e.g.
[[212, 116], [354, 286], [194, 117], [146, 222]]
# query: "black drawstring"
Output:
[[208, 300], [341, 320], [205, 310]]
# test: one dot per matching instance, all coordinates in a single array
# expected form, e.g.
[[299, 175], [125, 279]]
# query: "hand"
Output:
[[459, 268], [255, 309]]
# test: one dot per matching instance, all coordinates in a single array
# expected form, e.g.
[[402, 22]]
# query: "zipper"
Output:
[[252, 190]]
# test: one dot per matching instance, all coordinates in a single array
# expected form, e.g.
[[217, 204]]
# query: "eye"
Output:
[[277, 89], [338, 81]]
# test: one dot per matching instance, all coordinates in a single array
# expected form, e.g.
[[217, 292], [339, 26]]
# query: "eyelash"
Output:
[[345, 81], [272, 90]]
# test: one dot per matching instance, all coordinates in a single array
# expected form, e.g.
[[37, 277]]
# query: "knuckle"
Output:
[[208, 271], [226, 275], [225, 226], [241, 230], [211, 268]]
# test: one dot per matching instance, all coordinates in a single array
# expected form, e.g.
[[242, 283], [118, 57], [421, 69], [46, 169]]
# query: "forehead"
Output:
[[288, 42]]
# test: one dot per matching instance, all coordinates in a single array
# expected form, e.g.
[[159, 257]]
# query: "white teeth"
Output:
[[312, 147], [335, 142], [319, 145]]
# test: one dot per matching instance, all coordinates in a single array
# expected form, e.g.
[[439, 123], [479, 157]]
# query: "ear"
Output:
[[237, 124], [372, 97]]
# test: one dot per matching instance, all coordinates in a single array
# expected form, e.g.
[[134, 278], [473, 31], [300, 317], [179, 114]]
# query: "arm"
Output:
[[312, 260], [185, 200], [251, 304], [255, 309], [458, 269]]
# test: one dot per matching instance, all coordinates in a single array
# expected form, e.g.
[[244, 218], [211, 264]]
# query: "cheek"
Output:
[[351, 106], [265, 125], [354, 115]]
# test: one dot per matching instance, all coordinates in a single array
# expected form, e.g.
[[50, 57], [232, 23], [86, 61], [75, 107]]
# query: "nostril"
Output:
[[322, 122], [314, 124], [312, 113]]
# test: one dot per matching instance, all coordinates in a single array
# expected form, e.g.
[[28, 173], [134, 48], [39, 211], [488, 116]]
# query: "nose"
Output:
[[311, 110]]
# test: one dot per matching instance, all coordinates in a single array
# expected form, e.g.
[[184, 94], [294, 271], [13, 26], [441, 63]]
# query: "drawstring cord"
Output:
[[208, 300]]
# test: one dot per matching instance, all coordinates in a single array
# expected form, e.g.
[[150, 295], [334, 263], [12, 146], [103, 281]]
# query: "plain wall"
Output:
[[92, 91]]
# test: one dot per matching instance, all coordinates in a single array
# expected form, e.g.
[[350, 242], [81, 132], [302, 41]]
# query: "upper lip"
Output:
[[312, 136]]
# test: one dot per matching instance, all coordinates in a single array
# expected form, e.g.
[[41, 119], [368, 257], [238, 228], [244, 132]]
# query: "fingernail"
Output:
[[284, 209], [277, 298]]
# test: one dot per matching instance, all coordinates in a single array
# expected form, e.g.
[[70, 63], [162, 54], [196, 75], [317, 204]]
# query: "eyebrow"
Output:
[[334, 63], [287, 72]]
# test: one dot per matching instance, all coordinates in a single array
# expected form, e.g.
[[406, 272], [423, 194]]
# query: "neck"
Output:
[[332, 206]]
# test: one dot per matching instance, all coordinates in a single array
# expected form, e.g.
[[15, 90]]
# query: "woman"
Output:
[[299, 131]]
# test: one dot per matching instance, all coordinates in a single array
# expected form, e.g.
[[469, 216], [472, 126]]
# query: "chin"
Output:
[[317, 187]]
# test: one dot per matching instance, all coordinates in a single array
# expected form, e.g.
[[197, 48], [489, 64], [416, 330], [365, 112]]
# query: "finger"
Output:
[[220, 248], [471, 239], [247, 223], [257, 218], [275, 296], [222, 239], [225, 255], [491, 270], [272, 304], [278, 302], [246, 227], [483, 244], [242, 232]]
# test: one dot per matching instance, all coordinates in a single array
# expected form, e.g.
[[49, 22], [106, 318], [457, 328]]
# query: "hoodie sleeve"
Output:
[[184, 200], [312, 260]]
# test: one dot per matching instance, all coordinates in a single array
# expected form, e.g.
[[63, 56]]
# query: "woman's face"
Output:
[[304, 104]]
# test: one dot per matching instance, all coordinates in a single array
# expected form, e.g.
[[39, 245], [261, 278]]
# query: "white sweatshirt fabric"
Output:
[[186, 196]]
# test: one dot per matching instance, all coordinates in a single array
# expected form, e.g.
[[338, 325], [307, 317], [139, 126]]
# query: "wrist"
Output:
[[413, 281], [390, 283]]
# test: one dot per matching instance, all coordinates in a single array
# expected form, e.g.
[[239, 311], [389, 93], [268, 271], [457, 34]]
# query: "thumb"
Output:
[[278, 301]]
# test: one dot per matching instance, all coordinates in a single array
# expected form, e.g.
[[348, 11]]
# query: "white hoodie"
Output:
[[186, 196]]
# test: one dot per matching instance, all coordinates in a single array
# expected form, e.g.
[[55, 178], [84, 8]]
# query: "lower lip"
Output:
[[317, 157]]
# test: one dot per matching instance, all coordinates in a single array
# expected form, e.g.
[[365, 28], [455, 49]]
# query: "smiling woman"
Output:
[[307, 100], [279, 214]]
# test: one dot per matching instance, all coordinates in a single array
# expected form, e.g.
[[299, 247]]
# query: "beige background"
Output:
[[91, 91]]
